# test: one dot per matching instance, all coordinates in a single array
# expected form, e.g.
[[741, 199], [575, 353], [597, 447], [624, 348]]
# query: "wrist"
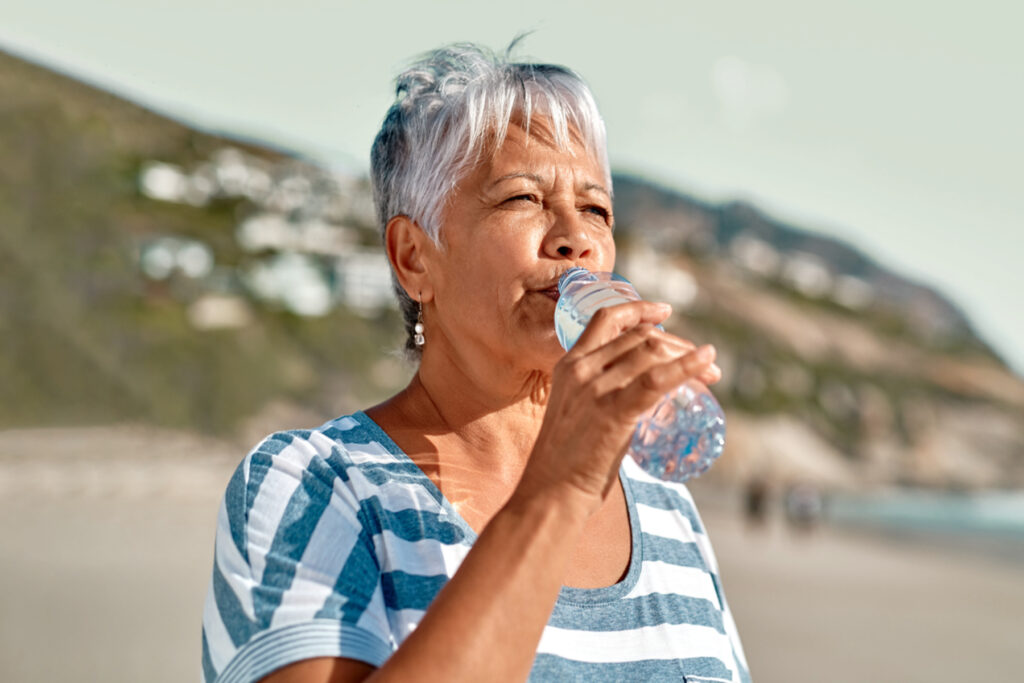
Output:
[[557, 500]]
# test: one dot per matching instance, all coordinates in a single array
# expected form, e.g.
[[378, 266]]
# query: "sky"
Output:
[[895, 125]]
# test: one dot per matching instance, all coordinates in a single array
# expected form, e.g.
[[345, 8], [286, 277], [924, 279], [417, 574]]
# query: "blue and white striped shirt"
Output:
[[332, 542]]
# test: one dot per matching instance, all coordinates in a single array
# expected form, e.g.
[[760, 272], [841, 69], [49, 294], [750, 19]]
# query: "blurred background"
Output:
[[829, 194]]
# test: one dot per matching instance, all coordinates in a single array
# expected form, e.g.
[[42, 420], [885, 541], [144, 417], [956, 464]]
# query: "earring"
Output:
[[418, 329]]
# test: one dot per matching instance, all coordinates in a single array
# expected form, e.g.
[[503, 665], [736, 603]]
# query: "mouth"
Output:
[[550, 292]]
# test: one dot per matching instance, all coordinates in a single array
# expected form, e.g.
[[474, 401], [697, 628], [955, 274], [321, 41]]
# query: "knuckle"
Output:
[[649, 381], [676, 343], [639, 335], [610, 403], [578, 371]]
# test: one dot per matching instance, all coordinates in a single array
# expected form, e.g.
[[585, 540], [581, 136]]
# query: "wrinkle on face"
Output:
[[497, 230]]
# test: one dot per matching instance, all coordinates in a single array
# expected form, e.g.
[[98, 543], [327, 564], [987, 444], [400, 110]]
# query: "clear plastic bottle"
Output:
[[685, 432]]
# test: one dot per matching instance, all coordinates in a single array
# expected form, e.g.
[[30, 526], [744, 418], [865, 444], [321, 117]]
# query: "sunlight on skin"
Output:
[[459, 490], [460, 487]]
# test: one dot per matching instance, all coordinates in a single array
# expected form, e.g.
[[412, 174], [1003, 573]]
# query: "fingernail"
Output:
[[705, 353]]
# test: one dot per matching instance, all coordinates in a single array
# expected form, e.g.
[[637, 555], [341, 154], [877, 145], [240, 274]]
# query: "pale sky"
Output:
[[894, 125]]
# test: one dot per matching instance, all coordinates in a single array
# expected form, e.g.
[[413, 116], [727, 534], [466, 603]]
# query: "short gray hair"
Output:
[[452, 109]]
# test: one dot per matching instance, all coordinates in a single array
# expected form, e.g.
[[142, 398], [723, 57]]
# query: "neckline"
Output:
[[567, 595]]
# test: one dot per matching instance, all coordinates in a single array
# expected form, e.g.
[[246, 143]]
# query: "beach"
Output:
[[106, 542], [838, 605]]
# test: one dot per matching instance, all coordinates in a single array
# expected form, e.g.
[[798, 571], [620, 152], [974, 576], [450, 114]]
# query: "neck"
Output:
[[489, 412], [485, 404]]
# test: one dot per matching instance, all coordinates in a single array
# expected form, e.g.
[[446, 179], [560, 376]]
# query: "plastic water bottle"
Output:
[[685, 432]]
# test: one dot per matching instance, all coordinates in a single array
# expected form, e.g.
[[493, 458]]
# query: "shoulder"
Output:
[[296, 573], [345, 459], [349, 438], [327, 451]]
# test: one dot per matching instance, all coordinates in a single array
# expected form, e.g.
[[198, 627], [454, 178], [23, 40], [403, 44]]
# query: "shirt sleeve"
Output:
[[295, 574]]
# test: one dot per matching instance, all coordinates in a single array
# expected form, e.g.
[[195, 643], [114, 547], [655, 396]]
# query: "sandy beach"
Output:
[[106, 544]]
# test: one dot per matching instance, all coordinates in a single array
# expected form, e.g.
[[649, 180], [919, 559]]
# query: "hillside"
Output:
[[837, 369], [157, 274], [84, 337]]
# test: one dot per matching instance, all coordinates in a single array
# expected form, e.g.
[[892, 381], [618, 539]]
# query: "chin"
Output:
[[539, 354], [549, 352]]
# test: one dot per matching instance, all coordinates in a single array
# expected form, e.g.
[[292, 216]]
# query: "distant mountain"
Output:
[[729, 229], [836, 369], [150, 272]]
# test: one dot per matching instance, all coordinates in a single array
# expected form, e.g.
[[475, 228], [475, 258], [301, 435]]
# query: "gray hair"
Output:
[[452, 110]]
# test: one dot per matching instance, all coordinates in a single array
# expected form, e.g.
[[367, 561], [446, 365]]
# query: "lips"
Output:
[[551, 292]]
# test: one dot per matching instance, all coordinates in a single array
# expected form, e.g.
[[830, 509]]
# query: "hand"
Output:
[[620, 367]]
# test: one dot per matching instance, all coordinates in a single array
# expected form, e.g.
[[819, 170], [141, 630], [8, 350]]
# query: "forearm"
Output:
[[486, 622]]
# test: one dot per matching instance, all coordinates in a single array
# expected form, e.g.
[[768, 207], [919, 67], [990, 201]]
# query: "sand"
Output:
[[837, 605], [106, 545]]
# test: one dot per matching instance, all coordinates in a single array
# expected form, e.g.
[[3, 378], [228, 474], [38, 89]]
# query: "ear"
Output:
[[409, 249]]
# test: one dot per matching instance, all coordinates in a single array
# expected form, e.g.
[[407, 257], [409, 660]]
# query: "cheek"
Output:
[[608, 253], [477, 296], [493, 298]]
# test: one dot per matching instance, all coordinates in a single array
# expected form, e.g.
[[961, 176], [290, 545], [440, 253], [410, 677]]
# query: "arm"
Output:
[[487, 620]]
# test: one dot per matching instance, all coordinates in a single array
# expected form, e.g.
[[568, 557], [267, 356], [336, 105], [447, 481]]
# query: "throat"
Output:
[[539, 387]]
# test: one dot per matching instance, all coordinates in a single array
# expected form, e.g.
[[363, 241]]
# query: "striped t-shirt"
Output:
[[332, 542]]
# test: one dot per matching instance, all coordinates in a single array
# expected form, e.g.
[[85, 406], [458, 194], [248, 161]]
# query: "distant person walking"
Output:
[[804, 507], [755, 502]]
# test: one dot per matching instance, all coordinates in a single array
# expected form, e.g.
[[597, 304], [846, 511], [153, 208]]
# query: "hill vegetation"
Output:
[[84, 337], [837, 370]]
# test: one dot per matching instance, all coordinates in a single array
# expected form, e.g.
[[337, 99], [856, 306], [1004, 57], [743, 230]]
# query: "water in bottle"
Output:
[[685, 432]]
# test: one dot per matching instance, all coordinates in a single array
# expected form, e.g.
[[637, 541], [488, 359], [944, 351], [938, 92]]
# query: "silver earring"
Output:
[[418, 329]]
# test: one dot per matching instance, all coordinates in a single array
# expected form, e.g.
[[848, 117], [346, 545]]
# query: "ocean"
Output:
[[990, 522]]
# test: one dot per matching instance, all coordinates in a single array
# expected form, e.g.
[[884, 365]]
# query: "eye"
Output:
[[522, 198], [601, 211]]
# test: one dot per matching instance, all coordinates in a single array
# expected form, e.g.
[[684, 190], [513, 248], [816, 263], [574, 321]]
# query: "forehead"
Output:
[[538, 149]]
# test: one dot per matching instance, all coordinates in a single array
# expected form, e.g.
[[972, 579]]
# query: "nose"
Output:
[[569, 238]]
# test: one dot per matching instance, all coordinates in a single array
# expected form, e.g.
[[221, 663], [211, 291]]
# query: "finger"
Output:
[[680, 346], [643, 345], [654, 348], [712, 375], [644, 390], [606, 356], [644, 333], [610, 322]]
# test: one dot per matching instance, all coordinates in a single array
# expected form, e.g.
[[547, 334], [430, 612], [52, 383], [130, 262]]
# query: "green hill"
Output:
[[84, 338]]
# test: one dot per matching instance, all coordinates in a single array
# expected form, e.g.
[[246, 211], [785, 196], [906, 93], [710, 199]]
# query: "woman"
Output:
[[482, 524]]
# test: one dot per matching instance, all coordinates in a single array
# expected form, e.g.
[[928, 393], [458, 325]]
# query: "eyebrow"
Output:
[[541, 180]]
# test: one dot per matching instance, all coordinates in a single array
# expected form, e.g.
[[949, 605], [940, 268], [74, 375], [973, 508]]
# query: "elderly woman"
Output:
[[483, 524]]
